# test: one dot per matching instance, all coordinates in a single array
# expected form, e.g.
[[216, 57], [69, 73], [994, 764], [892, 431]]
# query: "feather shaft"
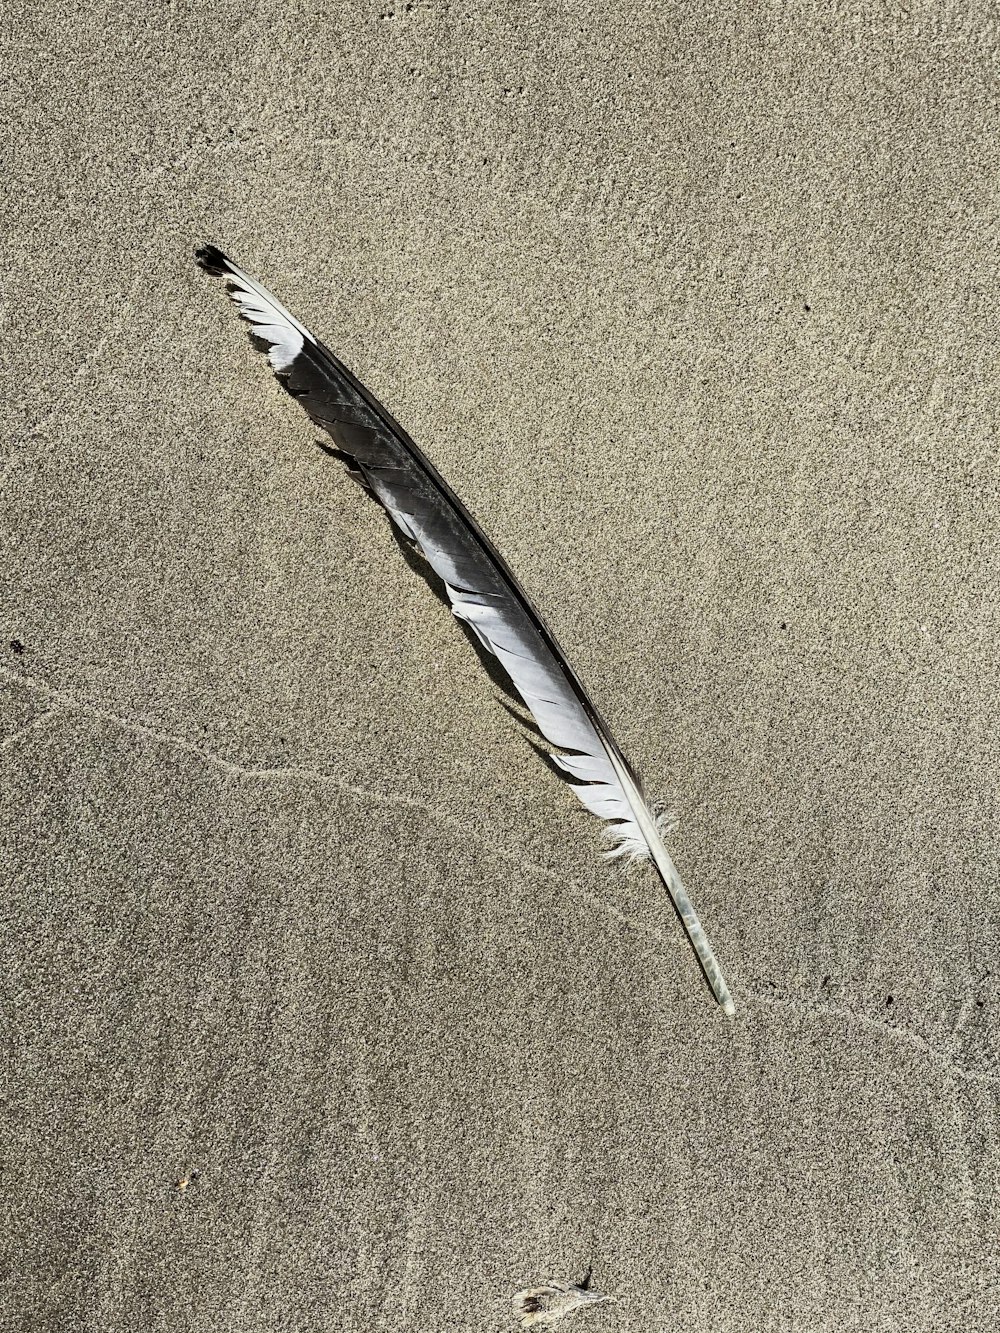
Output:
[[672, 882]]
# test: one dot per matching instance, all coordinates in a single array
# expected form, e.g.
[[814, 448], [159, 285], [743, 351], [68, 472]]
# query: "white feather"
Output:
[[559, 716], [268, 317]]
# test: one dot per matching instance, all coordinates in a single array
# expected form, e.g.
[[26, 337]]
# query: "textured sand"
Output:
[[698, 311]]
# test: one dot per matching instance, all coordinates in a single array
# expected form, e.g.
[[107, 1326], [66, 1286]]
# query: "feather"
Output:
[[483, 592]]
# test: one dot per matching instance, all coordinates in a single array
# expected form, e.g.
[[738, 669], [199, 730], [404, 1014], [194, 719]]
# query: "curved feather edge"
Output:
[[480, 586]]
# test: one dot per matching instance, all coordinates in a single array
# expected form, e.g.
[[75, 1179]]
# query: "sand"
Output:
[[321, 1010]]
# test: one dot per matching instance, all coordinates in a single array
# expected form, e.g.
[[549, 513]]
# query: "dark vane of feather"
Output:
[[480, 587]]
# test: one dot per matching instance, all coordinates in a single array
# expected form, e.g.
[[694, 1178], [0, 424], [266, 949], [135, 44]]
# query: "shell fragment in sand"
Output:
[[541, 1307]]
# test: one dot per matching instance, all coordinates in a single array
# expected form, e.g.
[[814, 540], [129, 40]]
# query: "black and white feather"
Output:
[[481, 588]]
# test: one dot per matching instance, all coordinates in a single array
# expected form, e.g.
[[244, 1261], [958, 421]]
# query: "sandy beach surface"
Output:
[[321, 1011]]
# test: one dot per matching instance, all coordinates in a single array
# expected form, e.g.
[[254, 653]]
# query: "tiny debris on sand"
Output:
[[541, 1307]]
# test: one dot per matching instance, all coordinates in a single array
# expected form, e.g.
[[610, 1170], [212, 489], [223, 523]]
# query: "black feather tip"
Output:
[[212, 260]]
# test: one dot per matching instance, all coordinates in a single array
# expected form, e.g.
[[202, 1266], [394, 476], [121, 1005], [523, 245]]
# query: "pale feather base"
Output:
[[630, 848]]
